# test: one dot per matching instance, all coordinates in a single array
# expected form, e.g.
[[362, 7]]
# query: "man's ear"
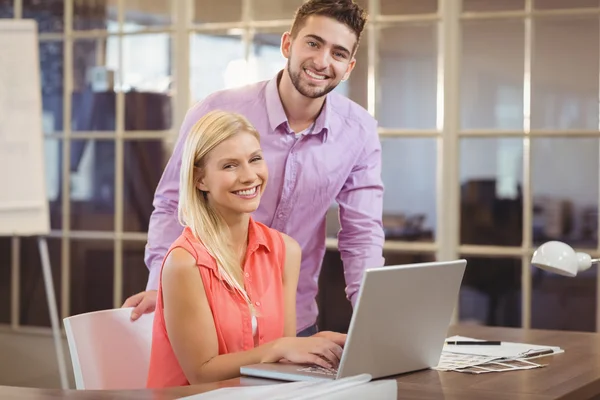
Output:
[[349, 69], [286, 44]]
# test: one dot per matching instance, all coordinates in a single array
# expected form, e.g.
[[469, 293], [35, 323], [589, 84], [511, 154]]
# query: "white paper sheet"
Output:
[[452, 361], [500, 366], [358, 386], [505, 350]]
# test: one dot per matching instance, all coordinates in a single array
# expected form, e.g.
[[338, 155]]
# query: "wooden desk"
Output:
[[574, 374]]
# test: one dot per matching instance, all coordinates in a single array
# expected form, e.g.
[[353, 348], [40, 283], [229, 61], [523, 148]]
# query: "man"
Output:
[[320, 147]]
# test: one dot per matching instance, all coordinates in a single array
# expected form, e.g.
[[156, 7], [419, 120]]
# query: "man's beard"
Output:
[[310, 92]]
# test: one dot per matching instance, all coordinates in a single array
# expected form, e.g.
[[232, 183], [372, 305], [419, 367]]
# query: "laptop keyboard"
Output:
[[319, 370]]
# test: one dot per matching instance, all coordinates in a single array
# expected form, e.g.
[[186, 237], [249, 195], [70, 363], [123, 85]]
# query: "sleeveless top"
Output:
[[263, 281]]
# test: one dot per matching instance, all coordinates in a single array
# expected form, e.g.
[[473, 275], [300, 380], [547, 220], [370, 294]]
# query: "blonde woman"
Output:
[[227, 292]]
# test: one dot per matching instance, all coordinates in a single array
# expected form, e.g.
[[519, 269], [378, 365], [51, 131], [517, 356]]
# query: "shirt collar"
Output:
[[276, 113], [256, 237]]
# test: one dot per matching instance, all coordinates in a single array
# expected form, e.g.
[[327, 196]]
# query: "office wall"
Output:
[[109, 150], [564, 96]]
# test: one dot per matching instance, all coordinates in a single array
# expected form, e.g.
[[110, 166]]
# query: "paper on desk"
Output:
[[500, 366], [505, 350], [453, 361], [476, 364], [358, 386]]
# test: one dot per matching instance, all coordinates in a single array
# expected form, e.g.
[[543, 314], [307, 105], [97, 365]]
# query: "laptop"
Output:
[[399, 324]]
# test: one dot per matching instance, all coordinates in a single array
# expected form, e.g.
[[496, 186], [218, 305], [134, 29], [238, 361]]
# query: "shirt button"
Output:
[[247, 275], [281, 215], [257, 304]]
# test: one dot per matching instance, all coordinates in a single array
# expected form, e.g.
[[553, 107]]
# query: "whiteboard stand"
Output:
[[52, 308], [24, 209]]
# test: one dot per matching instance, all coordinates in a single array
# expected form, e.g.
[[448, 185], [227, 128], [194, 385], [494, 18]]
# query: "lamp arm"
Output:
[[595, 260]]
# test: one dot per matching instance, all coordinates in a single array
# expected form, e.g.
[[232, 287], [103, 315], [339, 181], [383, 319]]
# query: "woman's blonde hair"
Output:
[[194, 210]]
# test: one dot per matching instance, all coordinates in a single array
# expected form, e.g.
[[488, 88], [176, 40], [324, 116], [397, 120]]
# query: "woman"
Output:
[[227, 293]]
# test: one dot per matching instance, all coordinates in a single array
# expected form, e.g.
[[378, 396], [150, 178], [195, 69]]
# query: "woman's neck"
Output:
[[238, 228]]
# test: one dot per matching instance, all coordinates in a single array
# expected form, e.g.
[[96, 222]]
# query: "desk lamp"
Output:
[[560, 258]]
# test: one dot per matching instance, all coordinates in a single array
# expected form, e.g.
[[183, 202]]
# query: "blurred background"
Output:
[[489, 122]]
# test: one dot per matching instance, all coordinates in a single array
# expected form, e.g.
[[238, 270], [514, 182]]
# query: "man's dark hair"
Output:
[[346, 12]]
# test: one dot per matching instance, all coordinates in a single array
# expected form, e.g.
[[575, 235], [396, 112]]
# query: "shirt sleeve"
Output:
[[164, 227], [361, 237]]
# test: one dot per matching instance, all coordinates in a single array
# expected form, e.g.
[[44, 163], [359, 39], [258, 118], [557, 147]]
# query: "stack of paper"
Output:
[[359, 387], [507, 350], [507, 356]]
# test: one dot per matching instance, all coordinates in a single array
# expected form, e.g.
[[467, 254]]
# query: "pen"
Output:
[[474, 343]]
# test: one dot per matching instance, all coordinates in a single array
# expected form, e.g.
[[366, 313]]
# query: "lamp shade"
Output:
[[560, 258]]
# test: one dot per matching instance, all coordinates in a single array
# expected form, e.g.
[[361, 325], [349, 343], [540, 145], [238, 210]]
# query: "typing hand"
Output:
[[335, 337], [310, 350]]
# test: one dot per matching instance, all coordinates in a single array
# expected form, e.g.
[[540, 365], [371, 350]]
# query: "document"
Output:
[[507, 350], [453, 361], [477, 359]]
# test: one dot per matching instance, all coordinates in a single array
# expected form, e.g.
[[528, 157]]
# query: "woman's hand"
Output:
[[310, 350], [335, 337]]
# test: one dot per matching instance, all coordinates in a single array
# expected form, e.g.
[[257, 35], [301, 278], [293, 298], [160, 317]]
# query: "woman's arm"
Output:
[[291, 272], [293, 258], [191, 330]]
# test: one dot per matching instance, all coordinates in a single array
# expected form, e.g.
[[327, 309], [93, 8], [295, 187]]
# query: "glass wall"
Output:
[[488, 115]]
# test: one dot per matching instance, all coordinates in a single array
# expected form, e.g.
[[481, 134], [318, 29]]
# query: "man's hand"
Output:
[[143, 303], [337, 338]]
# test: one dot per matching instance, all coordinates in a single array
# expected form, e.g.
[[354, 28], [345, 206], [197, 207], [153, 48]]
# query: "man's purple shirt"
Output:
[[338, 161]]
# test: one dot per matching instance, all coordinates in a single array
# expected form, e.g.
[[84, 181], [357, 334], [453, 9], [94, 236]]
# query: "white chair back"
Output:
[[108, 350]]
